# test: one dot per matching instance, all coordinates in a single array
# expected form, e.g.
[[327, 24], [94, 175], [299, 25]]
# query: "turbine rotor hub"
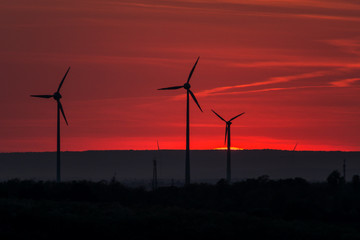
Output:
[[57, 96], [187, 86]]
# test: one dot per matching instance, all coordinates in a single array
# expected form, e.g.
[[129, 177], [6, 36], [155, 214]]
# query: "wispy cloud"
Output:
[[264, 90], [328, 17], [296, 64], [320, 4], [345, 82], [274, 80], [314, 9], [348, 45], [292, 3], [91, 58]]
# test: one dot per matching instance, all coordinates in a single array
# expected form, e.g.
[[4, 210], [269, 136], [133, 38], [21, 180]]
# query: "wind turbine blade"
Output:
[[158, 145], [218, 115], [42, 96], [193, 96], [192, 70], [62, 81], [236, 116], [295, 147], [226, 132], [62, 111], [171, 88]]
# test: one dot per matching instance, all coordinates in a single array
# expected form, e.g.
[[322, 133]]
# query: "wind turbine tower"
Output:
[[155, 176], [344, 170], [154, 181]]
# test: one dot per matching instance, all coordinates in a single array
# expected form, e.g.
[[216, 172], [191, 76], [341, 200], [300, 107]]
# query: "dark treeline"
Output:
[[253, 208]]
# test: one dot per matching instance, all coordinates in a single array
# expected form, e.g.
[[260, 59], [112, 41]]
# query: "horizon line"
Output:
[[263, 149]]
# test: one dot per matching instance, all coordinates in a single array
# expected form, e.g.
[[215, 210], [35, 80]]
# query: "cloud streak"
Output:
[[273, 80], [303, 63], [280, 9], [345, 82]]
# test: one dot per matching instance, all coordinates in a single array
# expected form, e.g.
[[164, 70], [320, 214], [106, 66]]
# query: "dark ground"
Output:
[[251, 209]]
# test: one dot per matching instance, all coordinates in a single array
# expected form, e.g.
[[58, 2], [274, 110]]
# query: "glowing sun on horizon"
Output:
[[231, 148]]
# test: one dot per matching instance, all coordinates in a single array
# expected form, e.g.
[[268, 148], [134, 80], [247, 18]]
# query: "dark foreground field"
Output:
[[252, 209]]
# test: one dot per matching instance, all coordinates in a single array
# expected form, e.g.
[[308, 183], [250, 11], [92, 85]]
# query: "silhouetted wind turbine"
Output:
[[187, 87], [57, 96], [227, 137]]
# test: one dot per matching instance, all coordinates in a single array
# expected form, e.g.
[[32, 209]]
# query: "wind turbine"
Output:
[[227, 137], [57, 96], [187, 87]]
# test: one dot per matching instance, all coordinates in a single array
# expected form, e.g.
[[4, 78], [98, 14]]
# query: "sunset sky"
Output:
[[292, 66]]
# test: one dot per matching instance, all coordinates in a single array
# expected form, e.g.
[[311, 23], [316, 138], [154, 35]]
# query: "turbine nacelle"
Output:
[[57, 96], [187, 86]]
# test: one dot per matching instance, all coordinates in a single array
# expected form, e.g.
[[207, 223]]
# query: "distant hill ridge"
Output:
[[205, 164]]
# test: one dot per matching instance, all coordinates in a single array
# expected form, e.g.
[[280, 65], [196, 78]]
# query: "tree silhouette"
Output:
[[334, 179], [355, 181]]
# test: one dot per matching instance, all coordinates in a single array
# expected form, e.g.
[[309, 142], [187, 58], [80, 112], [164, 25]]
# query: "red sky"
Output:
[[292, 66]]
